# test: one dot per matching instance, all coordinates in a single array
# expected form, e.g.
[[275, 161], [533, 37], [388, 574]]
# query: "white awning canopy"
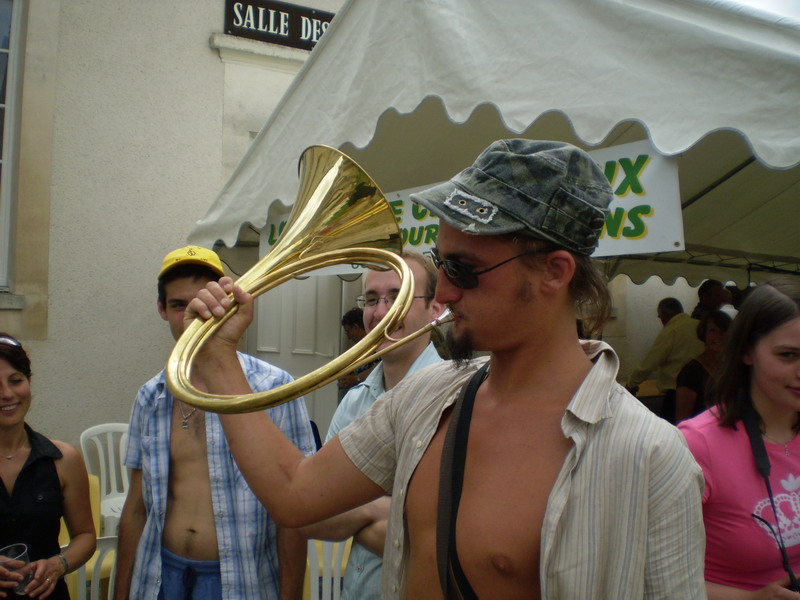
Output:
[[414, 90]]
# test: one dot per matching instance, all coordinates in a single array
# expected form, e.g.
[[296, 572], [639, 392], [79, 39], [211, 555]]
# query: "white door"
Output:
[[299, 329]]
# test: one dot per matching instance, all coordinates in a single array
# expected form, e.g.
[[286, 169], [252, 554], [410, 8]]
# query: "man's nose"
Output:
[[446, 292]]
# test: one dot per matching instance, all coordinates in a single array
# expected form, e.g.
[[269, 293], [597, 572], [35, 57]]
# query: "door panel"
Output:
[[298, 329]]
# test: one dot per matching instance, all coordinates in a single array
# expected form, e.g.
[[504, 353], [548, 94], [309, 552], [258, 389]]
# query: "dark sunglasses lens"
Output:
[[461, 276]]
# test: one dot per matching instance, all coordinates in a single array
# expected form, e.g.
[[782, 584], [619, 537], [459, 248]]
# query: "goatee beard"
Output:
[[461, 350]]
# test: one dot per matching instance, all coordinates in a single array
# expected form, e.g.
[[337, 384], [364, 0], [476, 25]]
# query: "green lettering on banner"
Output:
[[638, 228], [632, 171], [419, 235], [614, 221], [431, 233], [397, 209], [418, 211], [615, 225], [273, 234]]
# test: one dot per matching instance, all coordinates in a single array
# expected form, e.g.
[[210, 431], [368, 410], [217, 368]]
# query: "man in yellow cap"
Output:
[[191, 527]]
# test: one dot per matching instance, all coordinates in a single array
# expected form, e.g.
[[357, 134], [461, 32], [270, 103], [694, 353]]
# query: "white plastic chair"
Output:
[[103, 448], [327, 562], [99, 585]]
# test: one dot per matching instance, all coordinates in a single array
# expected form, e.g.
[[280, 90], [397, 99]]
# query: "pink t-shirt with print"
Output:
[[740, 551]]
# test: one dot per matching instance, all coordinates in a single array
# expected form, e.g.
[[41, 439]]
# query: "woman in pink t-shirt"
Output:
[[760, 370]]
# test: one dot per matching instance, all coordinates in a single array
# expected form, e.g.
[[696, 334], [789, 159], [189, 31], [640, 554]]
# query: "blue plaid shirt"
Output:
[[246, 535]]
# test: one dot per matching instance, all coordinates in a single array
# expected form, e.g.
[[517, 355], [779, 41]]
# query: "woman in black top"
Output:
[[693, 377], [40, 481]]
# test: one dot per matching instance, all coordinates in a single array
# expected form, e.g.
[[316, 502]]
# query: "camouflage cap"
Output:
[[548, 190]]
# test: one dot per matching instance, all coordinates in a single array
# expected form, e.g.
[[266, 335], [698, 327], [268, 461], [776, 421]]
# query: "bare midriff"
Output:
[[189, 523]]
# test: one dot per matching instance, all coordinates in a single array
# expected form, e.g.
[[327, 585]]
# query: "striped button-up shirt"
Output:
[[624, 517], [246, 535]]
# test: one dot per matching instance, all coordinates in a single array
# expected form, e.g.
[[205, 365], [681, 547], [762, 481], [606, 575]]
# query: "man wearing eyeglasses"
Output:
[[532, 474], [368, 522]]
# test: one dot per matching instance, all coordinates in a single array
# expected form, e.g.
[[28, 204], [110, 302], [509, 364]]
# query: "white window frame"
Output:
[[10, 148]]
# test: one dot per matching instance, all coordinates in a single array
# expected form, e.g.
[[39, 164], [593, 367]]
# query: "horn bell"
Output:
[[340, 216]]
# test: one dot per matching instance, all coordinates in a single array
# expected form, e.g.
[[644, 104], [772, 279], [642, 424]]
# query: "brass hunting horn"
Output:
[[340, 216]]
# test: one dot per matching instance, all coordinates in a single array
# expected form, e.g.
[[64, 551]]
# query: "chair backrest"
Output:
[[63, 535], [102, 567], [103, 449], [327, 562]]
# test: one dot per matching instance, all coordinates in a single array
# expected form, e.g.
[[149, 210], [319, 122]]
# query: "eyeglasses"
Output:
[[388, 299], [7, 339], [464, 276]]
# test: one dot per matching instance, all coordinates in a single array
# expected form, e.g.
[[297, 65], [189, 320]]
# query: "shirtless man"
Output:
[[570, 488], [190, 527]]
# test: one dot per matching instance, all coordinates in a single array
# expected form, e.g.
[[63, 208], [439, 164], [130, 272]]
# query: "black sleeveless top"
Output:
[[32, 513]]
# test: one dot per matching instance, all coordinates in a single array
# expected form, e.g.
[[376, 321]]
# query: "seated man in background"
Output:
[[675, 345], [191, 527], [368, 522]]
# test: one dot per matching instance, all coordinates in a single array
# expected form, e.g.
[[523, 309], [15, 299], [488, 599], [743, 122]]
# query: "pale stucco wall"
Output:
[[142, 135]]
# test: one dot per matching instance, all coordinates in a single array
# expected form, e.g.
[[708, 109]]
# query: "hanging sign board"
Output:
[[276, 22], [644, 217]]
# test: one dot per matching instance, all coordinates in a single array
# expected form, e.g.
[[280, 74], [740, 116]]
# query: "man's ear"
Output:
[[559, 269], [161, 310]]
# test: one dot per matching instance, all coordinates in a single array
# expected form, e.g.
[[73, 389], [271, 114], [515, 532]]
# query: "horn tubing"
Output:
[[180, 362]]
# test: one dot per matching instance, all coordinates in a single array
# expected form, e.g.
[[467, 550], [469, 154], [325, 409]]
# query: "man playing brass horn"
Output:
[[530, 474]]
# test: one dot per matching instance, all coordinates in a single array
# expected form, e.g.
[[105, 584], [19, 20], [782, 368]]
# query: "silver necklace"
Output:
[[785, 446], [185, 417], [10, 456]]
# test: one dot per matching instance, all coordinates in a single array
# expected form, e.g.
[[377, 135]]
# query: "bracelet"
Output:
[[64, 563]]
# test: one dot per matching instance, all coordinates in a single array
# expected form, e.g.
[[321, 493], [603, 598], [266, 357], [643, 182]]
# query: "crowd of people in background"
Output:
[[433, 466]]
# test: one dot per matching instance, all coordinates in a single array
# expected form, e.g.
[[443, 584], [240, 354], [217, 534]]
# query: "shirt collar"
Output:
[[40, 445], [591, 404]]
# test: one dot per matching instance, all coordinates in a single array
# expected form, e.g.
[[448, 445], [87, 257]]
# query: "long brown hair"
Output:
[[768, 306], [588, 287]]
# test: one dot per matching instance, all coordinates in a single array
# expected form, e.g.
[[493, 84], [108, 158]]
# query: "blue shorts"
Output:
[[186, 579]]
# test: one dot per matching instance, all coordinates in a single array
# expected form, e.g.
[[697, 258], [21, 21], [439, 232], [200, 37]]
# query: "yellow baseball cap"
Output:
[[192, 255]]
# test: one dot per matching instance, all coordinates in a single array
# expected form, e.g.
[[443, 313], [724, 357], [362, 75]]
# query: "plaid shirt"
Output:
[[246, 535]]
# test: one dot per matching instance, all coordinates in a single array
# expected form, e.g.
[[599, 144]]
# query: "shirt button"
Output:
[[396, 543], [394, 588], [419, 443]]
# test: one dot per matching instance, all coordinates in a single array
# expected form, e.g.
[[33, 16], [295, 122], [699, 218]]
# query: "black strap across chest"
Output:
[[455, 585]]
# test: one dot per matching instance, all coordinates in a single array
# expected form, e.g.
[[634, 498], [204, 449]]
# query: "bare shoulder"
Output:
[[69, 451], [71, 460]]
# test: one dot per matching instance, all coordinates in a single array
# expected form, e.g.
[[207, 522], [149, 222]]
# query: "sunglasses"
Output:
[[464, 276]]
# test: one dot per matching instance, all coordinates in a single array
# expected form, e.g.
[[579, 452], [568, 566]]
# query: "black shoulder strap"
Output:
[[750, 421], [454, 583]]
